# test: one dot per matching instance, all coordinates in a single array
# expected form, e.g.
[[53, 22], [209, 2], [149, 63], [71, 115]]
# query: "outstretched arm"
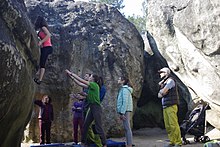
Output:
[[79, 81], [38, 102]]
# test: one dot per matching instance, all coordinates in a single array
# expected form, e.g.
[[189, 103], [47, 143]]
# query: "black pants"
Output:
[[44, 53], [94, 113], [45, 127]]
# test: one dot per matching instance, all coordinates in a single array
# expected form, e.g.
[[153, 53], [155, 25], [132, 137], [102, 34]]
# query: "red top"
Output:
[[42, 35]]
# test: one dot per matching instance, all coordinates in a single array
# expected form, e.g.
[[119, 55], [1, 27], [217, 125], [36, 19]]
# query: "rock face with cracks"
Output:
[[96, 38], [187, 35], [18, 59], [87, 38]]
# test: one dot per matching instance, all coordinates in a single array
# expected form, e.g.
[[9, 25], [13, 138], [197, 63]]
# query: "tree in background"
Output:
[[144, 8], [115, 3], [138, 21]]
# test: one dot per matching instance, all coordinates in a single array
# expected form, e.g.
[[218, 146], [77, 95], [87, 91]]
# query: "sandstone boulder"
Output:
[[18, 60], [187, 36], [87, 37]]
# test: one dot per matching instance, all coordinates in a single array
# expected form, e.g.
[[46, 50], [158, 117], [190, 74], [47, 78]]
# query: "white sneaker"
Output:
[[73, 143]]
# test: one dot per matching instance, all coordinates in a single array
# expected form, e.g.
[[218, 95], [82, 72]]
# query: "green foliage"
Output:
[[115, 3], [139, 22]]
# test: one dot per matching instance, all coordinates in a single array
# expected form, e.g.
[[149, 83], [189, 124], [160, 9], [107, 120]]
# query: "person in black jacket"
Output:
[[45, 118]]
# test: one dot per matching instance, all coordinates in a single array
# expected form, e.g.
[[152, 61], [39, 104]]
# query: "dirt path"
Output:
[[155, 137]]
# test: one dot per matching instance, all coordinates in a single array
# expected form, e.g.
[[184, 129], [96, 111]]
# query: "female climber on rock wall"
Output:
[[45, 46]]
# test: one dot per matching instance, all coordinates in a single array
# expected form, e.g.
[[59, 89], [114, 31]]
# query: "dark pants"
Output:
[[77, 122], [94, 113], [44, 53], [45, 127]]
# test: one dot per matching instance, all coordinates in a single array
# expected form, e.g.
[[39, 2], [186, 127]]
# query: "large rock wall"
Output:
[[93, 38], [96, 38], [186, 33], [149, 111], [18, 60]]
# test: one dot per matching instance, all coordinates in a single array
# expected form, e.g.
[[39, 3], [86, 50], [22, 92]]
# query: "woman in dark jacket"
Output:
[[45, 118]]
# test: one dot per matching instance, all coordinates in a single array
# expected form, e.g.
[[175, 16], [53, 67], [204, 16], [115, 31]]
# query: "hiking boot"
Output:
[[37, 81]]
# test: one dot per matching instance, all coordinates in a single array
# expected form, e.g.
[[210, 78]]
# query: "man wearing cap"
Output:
[[170, 99]]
